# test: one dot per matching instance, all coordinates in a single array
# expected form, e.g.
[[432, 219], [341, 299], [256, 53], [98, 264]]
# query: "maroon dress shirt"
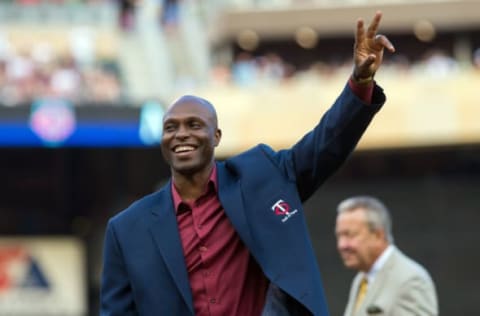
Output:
[[224, 278]]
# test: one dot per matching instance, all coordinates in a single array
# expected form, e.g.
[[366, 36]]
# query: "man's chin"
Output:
[[350, 264], [185, 168]]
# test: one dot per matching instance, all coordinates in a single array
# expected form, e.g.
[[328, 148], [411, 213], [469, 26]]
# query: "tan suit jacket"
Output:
[[402, 287]]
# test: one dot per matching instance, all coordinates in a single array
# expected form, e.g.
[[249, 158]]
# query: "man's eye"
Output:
[[352, 234], [169, 128], [196, 125]]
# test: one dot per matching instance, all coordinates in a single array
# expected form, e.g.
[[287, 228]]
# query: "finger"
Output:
[[360, 35], [385, 42], [373, 27]]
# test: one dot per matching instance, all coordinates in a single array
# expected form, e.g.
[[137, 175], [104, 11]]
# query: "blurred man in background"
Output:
[[388, 282], [230, 238]]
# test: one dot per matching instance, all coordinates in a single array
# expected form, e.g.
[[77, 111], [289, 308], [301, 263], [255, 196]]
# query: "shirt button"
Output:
[[206, 273], [213, 301], [203, 248]]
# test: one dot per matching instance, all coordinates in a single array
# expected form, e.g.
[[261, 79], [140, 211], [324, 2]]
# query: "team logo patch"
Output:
[[282, 208]]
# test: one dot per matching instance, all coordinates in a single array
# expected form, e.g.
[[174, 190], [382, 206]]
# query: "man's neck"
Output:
[[191, 186], [380, 261]]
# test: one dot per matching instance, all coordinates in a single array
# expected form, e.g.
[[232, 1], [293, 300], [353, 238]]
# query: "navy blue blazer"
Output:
[[262, 192]]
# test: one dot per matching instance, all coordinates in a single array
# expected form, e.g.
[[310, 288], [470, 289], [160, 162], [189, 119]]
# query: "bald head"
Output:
[[192, 100]]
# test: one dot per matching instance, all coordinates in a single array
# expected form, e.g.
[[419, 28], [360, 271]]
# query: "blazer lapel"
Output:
[[381, 275], [379, 282], [164, 230], [230, 195], [353, 295]]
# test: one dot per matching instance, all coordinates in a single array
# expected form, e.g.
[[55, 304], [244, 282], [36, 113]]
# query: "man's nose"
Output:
[[342, 243], [182, 132]]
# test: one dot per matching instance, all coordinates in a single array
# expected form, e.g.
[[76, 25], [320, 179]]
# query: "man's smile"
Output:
[[183, 148]]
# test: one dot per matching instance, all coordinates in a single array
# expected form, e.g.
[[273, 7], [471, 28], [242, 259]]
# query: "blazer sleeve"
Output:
[[416, 298], [116, 292], [323, 150]]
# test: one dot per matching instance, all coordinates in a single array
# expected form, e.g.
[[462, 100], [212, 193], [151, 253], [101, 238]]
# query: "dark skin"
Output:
[[190, 129], [369, 47], [190, 135]]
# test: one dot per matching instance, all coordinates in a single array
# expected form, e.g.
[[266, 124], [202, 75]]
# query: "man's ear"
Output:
[[218, 136]]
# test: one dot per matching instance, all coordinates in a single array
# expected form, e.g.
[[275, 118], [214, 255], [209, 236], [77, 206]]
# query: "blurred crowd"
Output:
[[46, 68], [248, 69], [40, 73], [35, 2], [167, 13], [78, 74], [84, 78]]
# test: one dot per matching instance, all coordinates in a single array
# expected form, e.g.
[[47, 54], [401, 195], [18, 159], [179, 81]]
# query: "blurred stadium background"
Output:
[[83, 87]]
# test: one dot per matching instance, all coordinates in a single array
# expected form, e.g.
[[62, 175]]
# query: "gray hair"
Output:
[[378, 216]]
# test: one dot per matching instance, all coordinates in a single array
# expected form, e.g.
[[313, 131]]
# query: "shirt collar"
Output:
[[379, 263], [211, 185]]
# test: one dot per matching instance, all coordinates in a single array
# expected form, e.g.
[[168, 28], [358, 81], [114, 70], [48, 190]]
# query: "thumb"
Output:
[[364, 70], [368, 61]]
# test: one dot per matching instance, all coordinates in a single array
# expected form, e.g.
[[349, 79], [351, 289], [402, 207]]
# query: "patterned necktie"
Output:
[[362, 290]]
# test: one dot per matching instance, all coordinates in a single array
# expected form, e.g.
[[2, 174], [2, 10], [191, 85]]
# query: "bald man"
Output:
[[230, 238]]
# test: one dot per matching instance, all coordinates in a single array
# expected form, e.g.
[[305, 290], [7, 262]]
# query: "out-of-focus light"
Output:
[[248, 40], [52, 120], [424, 31], [306, 37], [151, 123]]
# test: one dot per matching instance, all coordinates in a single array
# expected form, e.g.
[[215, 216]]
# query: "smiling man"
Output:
[[190, 134], [230, 238]]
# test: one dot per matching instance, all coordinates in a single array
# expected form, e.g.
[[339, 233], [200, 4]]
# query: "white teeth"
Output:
[[179, 149]]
